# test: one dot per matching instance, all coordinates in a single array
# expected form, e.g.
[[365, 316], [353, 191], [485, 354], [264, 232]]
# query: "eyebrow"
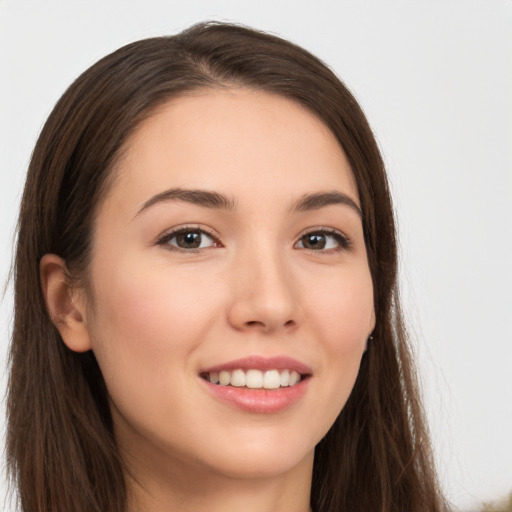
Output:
[[321, 199], [199, 197], [217, 200]]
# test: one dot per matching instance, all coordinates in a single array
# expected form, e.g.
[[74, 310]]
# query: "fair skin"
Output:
[[261, 273]]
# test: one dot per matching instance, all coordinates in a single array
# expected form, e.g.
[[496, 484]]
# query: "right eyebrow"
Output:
[[195, 196], [319, 200]]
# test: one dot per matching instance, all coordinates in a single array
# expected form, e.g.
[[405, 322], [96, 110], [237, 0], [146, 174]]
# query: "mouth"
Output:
[[259, 384], [254, 378]]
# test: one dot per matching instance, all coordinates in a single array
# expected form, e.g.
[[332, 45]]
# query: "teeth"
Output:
[[255, 379], [238, 378], [285, 378], [271, 379], [224, 378]]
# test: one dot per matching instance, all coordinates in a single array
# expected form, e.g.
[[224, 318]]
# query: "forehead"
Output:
[[240, 142]]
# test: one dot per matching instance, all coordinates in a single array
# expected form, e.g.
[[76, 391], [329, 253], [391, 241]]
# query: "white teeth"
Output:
[[238, 378], [255, 379], [285, 378], [294, 378], [271, 379], [224, 378]]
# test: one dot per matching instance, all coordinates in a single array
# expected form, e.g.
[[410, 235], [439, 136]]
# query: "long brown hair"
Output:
[[61, 451]]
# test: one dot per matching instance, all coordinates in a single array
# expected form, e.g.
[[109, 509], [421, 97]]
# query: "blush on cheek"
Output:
[[156, 311], [347, 319]]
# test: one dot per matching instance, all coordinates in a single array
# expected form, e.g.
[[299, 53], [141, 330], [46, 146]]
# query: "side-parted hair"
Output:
[[61, 451]]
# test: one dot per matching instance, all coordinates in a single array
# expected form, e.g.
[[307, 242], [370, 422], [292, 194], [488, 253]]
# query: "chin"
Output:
[[266, 455], [262, 465]]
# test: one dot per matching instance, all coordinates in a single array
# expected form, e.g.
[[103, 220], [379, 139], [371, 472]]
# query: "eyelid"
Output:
[[343, 240], [173, 232]]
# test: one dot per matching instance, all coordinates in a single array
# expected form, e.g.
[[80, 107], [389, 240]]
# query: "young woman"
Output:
[[206, 311]]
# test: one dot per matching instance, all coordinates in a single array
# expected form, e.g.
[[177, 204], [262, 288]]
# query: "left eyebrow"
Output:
[[203, 198], [321, 199]]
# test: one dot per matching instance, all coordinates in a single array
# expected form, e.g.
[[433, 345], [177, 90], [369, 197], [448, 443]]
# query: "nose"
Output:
[[264, 295]]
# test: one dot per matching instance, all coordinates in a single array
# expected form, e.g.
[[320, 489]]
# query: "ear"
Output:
[[65, 304]]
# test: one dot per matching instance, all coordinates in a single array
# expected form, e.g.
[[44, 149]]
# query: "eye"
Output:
[[323, 240], [190, 239]]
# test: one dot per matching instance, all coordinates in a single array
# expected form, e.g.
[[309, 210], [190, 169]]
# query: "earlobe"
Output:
[[64, 303]]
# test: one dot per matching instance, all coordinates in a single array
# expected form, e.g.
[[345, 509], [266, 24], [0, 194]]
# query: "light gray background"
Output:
[[435, 79]]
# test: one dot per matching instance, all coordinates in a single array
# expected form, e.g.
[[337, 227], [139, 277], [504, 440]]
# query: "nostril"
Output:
[[257, 323]]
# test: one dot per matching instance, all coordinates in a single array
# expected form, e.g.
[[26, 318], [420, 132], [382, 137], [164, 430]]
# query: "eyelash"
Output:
[[342, 240], [165, 239]]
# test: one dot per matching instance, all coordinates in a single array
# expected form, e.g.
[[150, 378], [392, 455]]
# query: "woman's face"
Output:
[[229, 247]]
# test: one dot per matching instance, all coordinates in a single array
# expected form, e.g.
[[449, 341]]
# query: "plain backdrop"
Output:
[[435, 79]]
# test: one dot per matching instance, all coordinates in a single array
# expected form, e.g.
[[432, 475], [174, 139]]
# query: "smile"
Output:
[[258, 385], [255, 379]]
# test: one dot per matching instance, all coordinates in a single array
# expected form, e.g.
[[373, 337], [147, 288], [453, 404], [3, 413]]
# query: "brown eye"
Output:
[[323, 241], [314, 241], [188, 239]]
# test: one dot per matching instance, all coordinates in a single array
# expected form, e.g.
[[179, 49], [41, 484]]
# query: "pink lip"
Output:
[[260, 400], [263, 364]]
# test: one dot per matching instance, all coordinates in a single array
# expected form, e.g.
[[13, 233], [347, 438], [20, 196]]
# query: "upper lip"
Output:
[[261, 363]]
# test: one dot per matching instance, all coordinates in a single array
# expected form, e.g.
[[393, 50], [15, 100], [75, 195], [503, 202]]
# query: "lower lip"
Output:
[[262, 401]]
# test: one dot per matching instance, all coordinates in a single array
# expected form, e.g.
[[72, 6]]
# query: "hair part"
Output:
[[61, 450]]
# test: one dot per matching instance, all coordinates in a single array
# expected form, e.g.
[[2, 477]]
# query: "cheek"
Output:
[[343, 309], [150, 301], [342, 315], [146, 324]]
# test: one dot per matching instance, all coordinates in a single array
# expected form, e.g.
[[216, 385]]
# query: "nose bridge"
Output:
[[263, 296]]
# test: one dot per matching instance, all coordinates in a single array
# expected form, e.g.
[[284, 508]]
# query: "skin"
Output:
[[158, 314]]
